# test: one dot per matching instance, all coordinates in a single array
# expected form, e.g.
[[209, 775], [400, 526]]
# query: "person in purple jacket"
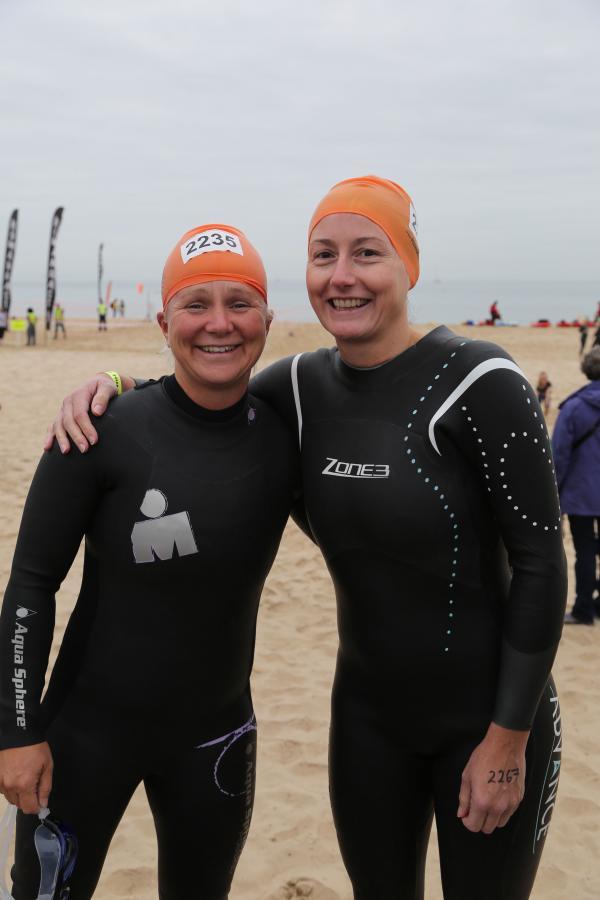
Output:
[[576, 446]]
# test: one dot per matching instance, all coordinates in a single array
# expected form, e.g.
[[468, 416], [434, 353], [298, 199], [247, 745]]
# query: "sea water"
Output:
[[522, 302]]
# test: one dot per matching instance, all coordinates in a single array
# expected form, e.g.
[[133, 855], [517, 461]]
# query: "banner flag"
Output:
[[100, 270], [51, 276], [9, 255]]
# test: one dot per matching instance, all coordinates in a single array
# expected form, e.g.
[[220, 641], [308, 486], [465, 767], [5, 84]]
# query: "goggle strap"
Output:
[[50, 847], [65, 857]]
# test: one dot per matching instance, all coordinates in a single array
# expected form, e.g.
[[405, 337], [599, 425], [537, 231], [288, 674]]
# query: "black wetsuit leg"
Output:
[[202, 806], [382, 797], [94, 777], [201, 799], [382, 802], [501, 865]]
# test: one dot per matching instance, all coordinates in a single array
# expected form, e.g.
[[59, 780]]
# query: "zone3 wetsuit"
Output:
[[182, 511], [426, 481]]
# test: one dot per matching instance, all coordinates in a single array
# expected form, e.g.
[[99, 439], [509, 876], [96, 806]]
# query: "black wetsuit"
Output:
[[182, 511], [423, 480]]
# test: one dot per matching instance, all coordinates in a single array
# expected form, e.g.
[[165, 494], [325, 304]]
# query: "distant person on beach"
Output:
[[596, 337], [102, 326], [31, 327], [122, 309], [59, 321], [182, 504], [576, 444], [583, 334], [3, 322], [544, 392], [494, 312], [114, 305], [429, 488]]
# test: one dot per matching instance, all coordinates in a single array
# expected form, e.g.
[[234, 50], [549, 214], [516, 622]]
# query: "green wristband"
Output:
[[117, 380]]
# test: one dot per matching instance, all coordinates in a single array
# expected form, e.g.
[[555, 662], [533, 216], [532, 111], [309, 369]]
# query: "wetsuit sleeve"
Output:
[[274, 385], [60, 503], [501, 428]]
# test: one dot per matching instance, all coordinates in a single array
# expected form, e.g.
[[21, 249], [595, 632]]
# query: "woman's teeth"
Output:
[[218, 349], [348, 303]]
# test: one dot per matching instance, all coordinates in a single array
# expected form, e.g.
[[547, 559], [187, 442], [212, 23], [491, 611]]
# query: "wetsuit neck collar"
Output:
[[179, 397], [375, 376]]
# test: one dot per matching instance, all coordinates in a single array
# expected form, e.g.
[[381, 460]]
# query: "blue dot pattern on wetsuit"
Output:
[[182, 511], [429, 486]]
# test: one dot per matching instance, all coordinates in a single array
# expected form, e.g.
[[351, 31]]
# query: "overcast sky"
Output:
[[144, 119]]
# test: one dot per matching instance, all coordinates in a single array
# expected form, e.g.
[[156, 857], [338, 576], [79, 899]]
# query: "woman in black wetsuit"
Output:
[[152, 679], [429, 486]]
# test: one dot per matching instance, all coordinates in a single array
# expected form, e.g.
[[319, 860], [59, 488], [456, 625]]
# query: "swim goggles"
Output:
[[56, 847]]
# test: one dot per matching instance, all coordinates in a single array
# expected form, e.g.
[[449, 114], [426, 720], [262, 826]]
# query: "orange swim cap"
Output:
[[383, 202], [212, 253]]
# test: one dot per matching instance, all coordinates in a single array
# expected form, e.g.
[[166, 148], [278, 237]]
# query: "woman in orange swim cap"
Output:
[[359, 292], [440, 458], [215, 316], [182, 504]]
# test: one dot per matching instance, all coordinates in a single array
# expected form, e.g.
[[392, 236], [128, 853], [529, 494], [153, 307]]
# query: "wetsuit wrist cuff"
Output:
[[11, 740], [117, 380]]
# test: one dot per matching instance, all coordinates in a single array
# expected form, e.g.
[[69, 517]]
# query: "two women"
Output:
[[182, 505], [429, 486]]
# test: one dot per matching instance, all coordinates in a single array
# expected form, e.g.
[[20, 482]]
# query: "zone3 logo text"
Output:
[[355, 470]]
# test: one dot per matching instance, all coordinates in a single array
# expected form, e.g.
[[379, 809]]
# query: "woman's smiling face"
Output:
[[216, 331], [356, 281]]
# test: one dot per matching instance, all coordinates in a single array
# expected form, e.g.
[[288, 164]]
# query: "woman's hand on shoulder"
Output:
[[493, 781], [26, 776], [72, 422]]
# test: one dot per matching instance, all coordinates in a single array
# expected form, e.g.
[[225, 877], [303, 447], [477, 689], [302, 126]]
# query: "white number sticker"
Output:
[[412, 220], [208, 242]]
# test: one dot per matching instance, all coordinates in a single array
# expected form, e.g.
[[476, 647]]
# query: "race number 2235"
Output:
[[208, 242]]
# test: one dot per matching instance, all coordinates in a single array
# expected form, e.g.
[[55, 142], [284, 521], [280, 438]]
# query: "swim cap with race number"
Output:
[[212, 253], [383, 202]]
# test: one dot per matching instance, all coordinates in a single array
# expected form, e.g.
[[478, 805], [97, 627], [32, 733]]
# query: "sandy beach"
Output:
[[291, 850]]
